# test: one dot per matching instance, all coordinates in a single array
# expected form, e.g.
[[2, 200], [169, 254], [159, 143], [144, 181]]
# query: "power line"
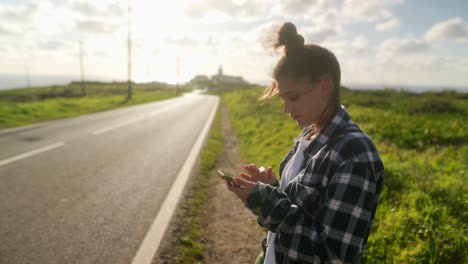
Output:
[[177, 73], [129, 95], [83, 88], [28, 77]]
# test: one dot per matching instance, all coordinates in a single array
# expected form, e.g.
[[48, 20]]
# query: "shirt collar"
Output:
[[337, 125]]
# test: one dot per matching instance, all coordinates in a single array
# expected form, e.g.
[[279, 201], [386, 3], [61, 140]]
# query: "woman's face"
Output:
[[303, 101]]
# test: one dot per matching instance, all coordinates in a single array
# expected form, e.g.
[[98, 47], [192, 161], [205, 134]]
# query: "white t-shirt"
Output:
[[290, 171]]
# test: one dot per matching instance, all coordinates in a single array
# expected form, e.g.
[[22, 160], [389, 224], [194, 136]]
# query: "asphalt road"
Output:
[[86, 189]]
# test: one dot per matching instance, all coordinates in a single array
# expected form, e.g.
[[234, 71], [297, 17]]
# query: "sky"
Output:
[[377, 42]]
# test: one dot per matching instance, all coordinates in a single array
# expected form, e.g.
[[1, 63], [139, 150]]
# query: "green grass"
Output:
[[189, 244], [422, 215], [25, 106]]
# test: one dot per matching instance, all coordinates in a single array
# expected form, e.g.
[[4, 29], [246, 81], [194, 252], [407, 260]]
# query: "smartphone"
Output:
[[225, 176]]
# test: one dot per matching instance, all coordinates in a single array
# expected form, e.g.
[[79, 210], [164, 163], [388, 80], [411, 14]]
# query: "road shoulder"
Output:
[[230, 233]]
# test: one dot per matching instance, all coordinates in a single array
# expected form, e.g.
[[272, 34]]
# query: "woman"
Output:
[[322, 209]]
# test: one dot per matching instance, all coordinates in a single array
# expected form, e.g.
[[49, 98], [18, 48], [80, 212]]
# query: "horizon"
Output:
[[51, 80], [378, 41]]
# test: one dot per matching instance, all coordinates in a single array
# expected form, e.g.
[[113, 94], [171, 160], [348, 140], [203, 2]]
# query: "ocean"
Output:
[[410, 88], [21, 81]]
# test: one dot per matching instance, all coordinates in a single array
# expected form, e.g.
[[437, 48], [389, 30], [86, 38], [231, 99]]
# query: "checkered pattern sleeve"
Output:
[[349, 201], [315, 225]]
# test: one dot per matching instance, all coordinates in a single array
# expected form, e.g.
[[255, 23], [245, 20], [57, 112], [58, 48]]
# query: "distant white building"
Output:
[[200, 78], [217, 80], [220, 77]]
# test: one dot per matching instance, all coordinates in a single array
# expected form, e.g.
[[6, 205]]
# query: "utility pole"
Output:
[[28, 78], [177, 74], [83, 88], [129, 95]]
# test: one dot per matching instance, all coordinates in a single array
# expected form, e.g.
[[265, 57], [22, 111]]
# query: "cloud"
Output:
[[322, 11], [17, 18], [6, 31], [210, 42], [234, 9], [297, 7], [456, 64], [357, 48], [35, 20], [94, 16], [185, 42], [85, 8], [368, 11], [7, 48], [389, 24], [52, 45], [410, 52], [318, 12], [461, 64], [404, 46], [327, 17], [360, 43], [95, 26], [452, 29], [319, 34], [17, 13], [115, 9], [90, 8]]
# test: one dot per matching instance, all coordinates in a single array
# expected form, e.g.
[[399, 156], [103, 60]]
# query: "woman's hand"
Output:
[[241, 187], [256, 174]]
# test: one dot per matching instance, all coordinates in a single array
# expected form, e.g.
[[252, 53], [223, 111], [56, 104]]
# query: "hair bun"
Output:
[[288, 37]]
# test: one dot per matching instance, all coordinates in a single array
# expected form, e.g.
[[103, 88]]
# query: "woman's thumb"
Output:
[[270, 171]]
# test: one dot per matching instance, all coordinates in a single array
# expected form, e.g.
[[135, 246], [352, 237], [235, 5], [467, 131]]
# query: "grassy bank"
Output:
[[24, 106], [189, 244], [422, 140]]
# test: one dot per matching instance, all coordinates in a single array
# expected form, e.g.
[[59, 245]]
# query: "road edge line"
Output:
[[152, 240]]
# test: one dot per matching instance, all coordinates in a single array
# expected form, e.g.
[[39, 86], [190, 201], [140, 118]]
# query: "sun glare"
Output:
[[159, 32]]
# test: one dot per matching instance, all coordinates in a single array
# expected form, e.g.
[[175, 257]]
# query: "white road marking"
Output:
[[150, 244], [31, 153], [128, 122]]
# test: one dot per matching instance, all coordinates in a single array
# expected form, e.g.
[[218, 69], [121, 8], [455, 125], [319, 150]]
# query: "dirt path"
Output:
[[232, 234]]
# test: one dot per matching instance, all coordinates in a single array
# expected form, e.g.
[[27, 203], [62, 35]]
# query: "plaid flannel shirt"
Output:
[[325, 214]]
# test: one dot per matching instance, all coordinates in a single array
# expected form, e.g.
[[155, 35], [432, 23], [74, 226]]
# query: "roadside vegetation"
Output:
[[189, 244], [25, 106], [422, 216]]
